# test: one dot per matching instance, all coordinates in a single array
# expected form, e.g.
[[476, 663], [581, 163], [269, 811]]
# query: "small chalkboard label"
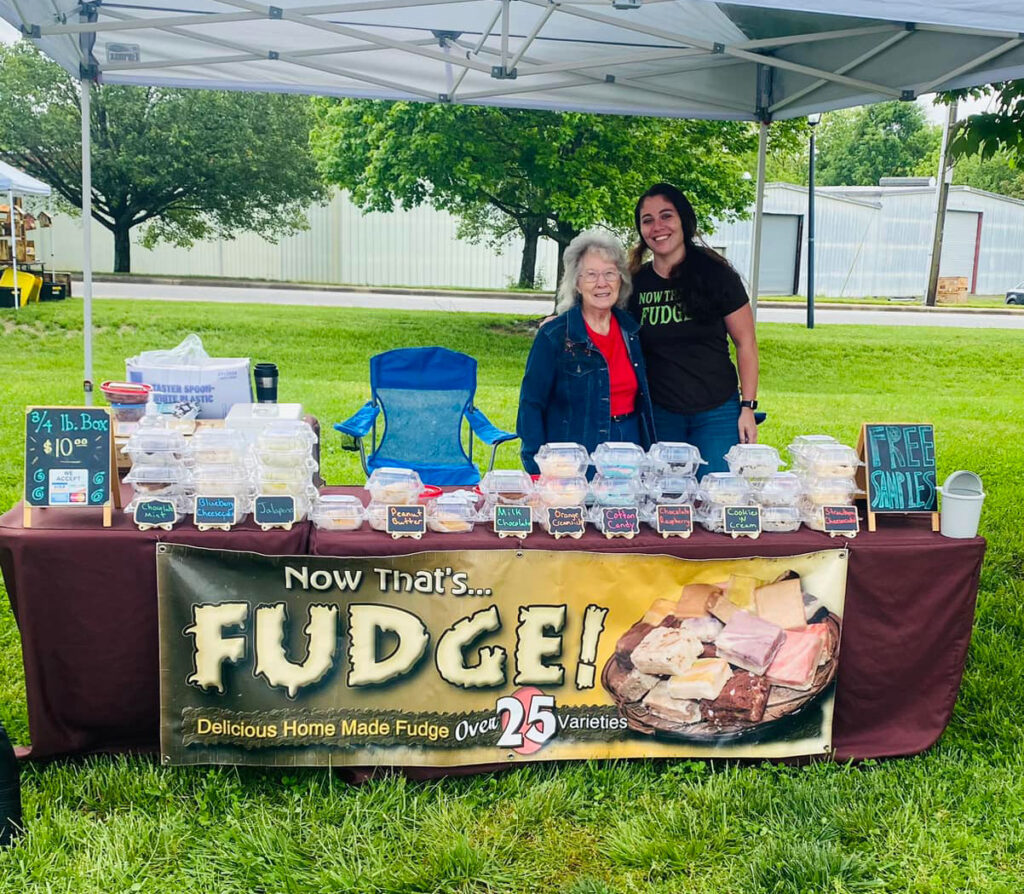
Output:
[[212, 512], [153, 513], [566, 521], [274, 510], [515, 521], [745, 520], [620, 521], [406, 521], [900, 460], [840, 519], [674, 518], [67, 456]]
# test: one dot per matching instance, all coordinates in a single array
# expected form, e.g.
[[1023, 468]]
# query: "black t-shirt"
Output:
[[688, 364]]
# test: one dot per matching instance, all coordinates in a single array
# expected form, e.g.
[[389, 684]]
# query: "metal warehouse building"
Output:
[[875, 240]]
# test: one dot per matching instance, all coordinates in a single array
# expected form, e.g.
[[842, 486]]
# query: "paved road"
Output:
[[434, 301]]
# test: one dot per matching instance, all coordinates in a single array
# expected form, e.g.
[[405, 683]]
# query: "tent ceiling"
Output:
[[748, 59]]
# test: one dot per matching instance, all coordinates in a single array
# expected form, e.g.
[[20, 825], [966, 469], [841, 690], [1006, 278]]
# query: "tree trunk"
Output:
[[528, 265], [122, 248], [566, 233]]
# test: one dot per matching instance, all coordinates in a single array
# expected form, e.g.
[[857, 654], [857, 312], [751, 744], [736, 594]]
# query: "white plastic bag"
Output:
[[188, 373]]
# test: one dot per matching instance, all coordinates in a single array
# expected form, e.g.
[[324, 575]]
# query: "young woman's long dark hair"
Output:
[[698, 275]]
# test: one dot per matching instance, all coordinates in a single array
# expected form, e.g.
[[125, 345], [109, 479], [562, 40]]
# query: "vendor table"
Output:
[[85, 601]]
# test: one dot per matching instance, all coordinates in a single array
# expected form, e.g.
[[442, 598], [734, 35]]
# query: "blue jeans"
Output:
[[712, 431], [626, 430]]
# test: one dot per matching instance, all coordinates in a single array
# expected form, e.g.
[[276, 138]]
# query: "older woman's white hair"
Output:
[[603, 244]]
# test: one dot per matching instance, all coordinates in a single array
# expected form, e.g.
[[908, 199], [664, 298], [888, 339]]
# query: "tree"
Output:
[[539, 173], [1001, 131], [857, 147], [185, 164]]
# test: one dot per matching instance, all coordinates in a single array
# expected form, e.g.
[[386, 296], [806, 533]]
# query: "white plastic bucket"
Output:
[[962, 497]]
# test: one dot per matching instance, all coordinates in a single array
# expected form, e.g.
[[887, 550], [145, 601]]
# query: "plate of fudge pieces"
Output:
[[725, 661]]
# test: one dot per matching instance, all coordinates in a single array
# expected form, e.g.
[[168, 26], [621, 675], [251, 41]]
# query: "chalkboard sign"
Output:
[[899, 473], [406, 521], [274, 511], [674, 519], [215, 512], [840, 519], [742, 520], [566, 521], [620, 521], [513, 521], [155, 513], [68, 458]]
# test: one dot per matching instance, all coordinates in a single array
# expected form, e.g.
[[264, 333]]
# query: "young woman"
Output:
[[584, 379], [689, 302]]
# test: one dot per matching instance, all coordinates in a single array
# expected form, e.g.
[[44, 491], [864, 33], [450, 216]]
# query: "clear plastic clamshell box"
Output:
[[671, 487], [227, 474], [451, 514], [611, 490], [831, 461], [561, 491], [830, 491], [393, 486], [799, 446], [158, 479], [780, 519], [286, 436], [337, 512], [725, 488], [562, 460], [218, 445], [678, 456], [156, 445], [780, 489], [711, 513], [286, 459], [619, 459], [512, 487], [377, 515], [753, 460]]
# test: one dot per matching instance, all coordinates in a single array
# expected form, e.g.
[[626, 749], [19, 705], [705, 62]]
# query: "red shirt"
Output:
[[621, 375]]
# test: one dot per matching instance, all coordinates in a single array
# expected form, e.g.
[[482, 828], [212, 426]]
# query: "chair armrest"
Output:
[[484, 430], [359, 423]]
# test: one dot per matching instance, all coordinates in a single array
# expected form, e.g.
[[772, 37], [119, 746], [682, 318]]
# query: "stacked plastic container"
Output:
[[619, 479], [563, 479], [337, 512], [222, 468], [670, 476], [828, 472], [390, 486], [284, 464], [160, 469], [505, 487]]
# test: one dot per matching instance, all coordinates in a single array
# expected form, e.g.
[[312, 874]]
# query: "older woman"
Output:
[[585, 379]]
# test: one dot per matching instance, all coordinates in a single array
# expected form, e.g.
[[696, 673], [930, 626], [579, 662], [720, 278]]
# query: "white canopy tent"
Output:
[[18, 183], [754, 60]]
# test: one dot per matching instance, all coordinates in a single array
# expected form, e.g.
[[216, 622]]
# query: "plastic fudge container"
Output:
[[561, 491], [156, 446], [615, 491], [337, 512], [219, 445], [286, 437], [286, 459], [831, 461], [780, 489], [753, 460], [725, 488], [670, 487], [799, 446], [780, 519], [830, 491], [451, 514], [711, 514], [124, 393], [394, 486], [562, 460], [159, 479], [677, 456], [254, 419], [619, 459], [511, 487]]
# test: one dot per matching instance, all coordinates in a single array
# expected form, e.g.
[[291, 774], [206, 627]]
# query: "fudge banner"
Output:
[[484, 656]]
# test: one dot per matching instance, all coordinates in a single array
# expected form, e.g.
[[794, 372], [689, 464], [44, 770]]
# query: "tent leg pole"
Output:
[[14, 252], [755, 248], [86, 86]]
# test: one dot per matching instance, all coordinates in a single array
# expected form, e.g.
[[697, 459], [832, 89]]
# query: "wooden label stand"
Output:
[[898, 475]]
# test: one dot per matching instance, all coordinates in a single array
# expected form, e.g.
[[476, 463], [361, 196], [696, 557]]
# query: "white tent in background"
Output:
[[18, 183], [755, 60]]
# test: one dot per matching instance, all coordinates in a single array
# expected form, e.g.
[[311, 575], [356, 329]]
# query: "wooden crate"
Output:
[[951, 290]]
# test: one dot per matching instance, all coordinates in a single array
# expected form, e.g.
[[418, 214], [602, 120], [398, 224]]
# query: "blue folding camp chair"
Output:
[[424, 394]]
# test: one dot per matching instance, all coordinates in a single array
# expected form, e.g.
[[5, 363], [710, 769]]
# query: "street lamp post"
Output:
[[812, 121]]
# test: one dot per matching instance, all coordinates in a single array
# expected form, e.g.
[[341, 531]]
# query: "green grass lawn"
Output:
[[950, 820]]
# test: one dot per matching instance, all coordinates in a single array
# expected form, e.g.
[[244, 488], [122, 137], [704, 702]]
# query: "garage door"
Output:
[[959, 244], [780, 242]]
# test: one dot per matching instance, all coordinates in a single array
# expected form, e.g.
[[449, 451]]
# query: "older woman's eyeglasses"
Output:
[[591, 277]]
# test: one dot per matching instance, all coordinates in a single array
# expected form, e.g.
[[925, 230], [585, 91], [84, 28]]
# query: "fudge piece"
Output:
[[749, 642], [742, 698], [814, 609], [658, 611], [693, 602], [709, 651], [781, 603], [666, 651], [828, 641], [678, 710], [740, 590], [796, 662], [635, 685], [723, 608], [632, 637], [705, 628], [704, 679]]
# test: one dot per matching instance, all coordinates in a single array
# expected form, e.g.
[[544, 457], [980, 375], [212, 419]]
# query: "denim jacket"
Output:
[[566, 395]]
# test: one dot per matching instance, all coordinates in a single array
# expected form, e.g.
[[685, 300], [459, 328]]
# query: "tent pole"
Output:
[[755, 248], [14, 251], [86, 86]]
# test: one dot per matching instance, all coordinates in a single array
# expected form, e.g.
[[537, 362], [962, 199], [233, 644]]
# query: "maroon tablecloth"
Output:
[[85, 601]]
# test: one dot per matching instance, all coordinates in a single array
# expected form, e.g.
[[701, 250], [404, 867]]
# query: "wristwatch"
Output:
[[749, 403]]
